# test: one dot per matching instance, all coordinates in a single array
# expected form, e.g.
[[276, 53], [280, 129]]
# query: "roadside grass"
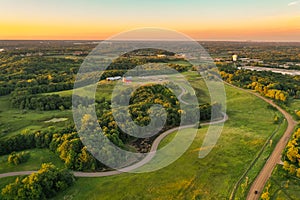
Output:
[[34, 162], [295, 104], [293, 107], [213, 177], [13, 121], [245, 183], [282, 185]]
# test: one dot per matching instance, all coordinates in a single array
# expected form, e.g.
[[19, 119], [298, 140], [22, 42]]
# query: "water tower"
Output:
[[234, 58]]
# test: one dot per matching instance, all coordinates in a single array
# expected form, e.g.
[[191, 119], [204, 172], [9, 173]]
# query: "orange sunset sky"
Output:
[[268, 20]]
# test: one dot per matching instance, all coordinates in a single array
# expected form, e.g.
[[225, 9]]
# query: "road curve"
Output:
[[150, 155], [261, 180], [132, 167]]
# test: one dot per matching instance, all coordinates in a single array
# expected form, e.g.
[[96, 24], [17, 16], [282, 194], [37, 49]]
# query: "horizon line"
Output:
[[197, 40]]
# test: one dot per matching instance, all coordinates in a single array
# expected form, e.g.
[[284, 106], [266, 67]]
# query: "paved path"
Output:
[[258, 184], [126, 169], [137, 165], [260, 181]]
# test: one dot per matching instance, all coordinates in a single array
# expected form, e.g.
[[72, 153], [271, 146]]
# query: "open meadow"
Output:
[[250, 124]]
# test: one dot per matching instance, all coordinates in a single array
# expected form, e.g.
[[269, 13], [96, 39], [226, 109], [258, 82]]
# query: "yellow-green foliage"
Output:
[[265, 196], [298, 114], [292, 162], [266, 90]]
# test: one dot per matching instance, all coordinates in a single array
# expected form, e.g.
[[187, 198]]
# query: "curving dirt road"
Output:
[[260, 181]]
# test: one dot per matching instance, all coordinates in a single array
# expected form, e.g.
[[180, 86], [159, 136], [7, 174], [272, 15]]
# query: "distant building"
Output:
[[114, 78], [161, 55], [234, 58], [127, 79]]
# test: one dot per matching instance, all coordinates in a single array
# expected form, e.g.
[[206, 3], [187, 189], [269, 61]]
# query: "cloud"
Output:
[[293, 3]]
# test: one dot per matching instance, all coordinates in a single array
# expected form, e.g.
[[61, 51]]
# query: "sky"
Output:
[[258, 20]]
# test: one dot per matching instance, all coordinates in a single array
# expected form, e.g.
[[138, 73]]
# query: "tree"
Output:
[[298, 172], [265, 196], [40, 185], [298, 114], [17, 158]]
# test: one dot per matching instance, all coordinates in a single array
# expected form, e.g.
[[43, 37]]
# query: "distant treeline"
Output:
[[41, 74], [273, 85], [40, 102]]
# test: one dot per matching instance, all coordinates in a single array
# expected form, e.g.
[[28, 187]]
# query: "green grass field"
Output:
[[250, 124], [246, 181], [13, 121], [36, 158], [293, 107]]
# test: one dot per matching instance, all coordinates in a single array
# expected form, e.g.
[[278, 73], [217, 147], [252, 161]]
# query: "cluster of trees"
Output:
[[273, 85], [44, 184], [31, 140], [69, 147], [65, 143], [292, 155], [22, 100], [140, 103], [139, 107], [74, 154], [17, 158], [266, 91]]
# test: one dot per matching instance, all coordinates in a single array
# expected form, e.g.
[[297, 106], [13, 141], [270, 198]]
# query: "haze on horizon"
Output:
[[268, 20]]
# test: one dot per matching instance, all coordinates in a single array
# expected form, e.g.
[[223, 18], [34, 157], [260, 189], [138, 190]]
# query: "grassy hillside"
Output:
[[34, 162], [249, 125]]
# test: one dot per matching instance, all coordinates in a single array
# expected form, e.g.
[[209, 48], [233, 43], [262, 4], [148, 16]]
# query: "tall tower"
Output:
[[234, 57]]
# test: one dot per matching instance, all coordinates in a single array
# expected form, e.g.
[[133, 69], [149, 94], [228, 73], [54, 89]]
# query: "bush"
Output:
[[17, 158], [44, 184]]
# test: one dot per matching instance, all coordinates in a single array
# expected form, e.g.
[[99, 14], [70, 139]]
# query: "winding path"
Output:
[[150, 155], [257, 186], [132, 167], [260, 181]]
